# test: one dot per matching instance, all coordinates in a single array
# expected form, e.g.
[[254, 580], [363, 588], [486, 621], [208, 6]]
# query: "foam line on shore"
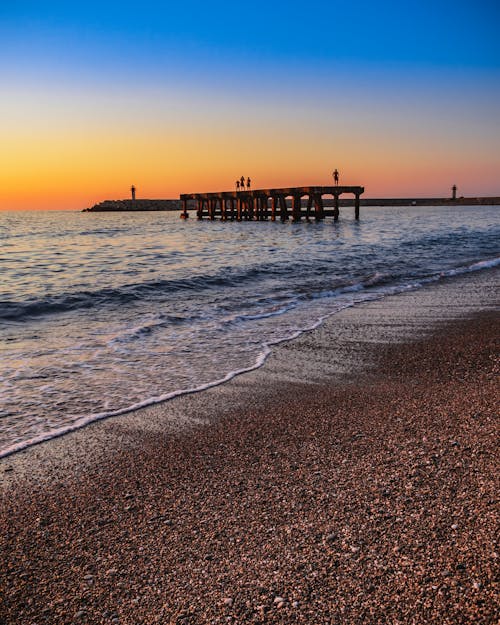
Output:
[[260, 359]]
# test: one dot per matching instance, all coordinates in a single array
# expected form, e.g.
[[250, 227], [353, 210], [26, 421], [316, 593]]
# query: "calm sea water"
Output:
[[103, 312]]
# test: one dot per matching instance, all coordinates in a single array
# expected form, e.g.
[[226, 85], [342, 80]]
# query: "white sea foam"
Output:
[[263, 354], [156, 307]]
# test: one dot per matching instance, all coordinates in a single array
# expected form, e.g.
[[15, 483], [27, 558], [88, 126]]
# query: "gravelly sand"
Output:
[[333, 501]]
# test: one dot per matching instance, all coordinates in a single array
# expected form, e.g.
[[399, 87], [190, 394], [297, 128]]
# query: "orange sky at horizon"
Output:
[[173, 98], [51, 198], [69, 147], [58, 176], [77, 181]]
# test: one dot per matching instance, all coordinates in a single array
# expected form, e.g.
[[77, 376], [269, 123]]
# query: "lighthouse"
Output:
[[132, 189], [454, 192]]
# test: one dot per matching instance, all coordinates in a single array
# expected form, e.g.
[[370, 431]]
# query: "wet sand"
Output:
[[352, 479]]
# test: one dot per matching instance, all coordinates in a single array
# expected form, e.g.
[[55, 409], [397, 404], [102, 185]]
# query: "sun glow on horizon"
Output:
[[172, 111]]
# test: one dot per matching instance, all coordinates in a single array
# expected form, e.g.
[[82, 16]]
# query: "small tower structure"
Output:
[[454, 192], [132, 189]]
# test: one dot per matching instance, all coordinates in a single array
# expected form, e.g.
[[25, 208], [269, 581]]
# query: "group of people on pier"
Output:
[[240, 184]]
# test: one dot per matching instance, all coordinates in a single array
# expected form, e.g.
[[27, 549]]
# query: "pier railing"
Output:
[[263, 204]]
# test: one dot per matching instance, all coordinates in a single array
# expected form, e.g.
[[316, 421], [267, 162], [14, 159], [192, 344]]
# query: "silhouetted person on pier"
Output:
[[242, 183], [237, 185], [248, 183], [336, 177]]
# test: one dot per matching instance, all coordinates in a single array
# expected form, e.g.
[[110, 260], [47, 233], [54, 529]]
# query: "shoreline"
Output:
[[362, 494], [416, 313], [261, 359]]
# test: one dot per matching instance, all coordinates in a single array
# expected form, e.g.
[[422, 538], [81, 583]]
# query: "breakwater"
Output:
[[134, 205], [174, 205], [426, 201]]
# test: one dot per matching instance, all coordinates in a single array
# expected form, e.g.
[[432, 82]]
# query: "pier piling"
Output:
[[254, 205]]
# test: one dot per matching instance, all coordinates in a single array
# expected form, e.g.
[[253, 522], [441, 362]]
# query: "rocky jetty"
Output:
[[425, 201], [134, 205], [174, 205]]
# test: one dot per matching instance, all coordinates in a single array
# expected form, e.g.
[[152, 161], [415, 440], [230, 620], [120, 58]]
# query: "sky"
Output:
[[402, 98]]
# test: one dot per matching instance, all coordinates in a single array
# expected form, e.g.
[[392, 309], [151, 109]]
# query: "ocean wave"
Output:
[[476, 266], [18, 311], [226, 277], [127, 335], [360, 293], [266, 313], [81, 422]]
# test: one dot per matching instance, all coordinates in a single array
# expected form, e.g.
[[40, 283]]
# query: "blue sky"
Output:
[[415, 85], [138, 34]]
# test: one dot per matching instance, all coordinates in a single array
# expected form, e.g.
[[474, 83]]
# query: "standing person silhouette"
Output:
[[248, 183], [242, 183], [237, 185], [336, 177]]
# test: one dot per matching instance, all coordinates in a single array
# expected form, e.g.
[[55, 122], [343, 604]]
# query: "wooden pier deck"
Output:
[[263, 204]]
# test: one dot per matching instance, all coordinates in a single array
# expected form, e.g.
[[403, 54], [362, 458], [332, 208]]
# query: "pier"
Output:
[[273, 204]]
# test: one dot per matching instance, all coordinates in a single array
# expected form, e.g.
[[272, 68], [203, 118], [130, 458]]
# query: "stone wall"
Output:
[[135, 205]]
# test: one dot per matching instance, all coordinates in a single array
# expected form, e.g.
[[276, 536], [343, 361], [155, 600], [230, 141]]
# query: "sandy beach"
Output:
[[351, 479]]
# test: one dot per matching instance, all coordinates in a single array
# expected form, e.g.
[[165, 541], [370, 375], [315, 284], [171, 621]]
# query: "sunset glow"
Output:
[[182, 100]]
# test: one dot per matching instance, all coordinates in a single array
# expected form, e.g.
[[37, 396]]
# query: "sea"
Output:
[[103, 313]]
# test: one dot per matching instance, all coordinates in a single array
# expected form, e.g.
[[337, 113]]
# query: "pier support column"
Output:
[[223, 215], [250, 208], [356, 206], [283, 208], [199, 209], [263, 208], [274, 206], [239, 209], [185, 213], [231, 204], [319, 211], [296, 208], [309, 206], [336, 207]]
